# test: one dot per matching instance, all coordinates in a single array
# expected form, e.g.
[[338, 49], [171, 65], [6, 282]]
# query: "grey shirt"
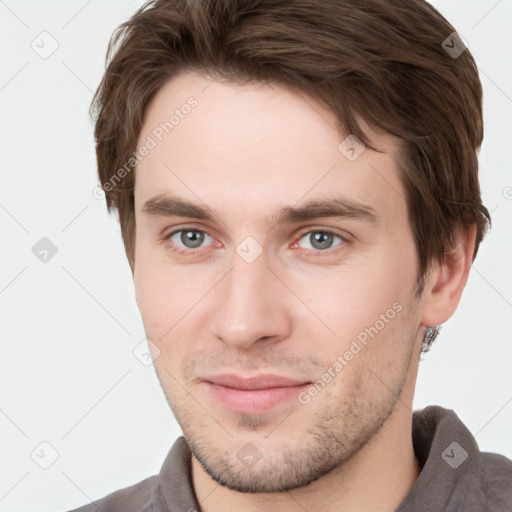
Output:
[[455, 475]]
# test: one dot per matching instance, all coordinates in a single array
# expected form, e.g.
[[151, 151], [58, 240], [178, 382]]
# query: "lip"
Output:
[[253, 383], [253, 395]]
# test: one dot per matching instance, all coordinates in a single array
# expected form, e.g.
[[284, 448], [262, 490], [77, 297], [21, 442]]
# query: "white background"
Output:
[[68, 327]]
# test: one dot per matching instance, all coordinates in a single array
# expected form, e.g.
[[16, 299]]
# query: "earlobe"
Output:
[[447, 279]]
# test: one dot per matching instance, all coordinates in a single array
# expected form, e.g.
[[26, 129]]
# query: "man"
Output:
[[297, 187]]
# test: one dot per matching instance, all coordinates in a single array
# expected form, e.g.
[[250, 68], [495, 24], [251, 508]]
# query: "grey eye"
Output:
[[320, 240], [189, 238]]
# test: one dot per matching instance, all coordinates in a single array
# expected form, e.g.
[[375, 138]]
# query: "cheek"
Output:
[[161, 304], [351, 296], [171, 302], [155, 293], [364, 301]]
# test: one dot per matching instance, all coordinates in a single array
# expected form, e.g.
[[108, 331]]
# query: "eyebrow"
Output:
[[169, 206]]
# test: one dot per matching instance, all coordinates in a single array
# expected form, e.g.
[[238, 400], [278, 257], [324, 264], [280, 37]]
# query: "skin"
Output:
[[245, 152]]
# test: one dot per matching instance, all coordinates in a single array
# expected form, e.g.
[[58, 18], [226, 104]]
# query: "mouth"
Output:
[[253, 395]]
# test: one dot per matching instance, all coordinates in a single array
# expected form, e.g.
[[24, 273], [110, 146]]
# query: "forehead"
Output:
[[259, 144]]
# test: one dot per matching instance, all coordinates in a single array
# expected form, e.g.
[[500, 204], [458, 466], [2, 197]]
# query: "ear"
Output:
[[447, 279]]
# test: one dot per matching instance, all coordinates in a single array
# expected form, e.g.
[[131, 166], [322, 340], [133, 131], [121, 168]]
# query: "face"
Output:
[[276, 278]]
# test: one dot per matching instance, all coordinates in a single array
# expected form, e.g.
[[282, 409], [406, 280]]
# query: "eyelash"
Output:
[[193, 252]]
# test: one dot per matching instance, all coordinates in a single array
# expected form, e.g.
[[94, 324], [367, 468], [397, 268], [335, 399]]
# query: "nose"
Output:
[[252, 305]]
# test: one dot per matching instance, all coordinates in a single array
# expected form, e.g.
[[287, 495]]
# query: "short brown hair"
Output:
[[381, 60]]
